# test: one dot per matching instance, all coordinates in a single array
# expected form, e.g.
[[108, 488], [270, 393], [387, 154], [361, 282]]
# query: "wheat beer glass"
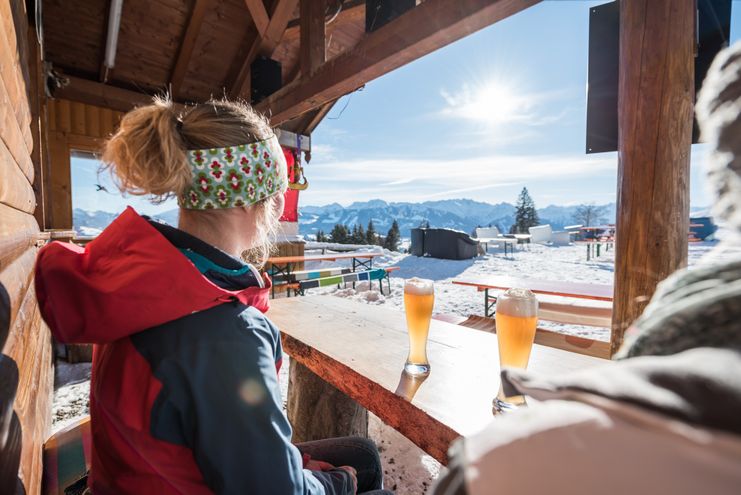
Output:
[[517, 319], [419, 297]]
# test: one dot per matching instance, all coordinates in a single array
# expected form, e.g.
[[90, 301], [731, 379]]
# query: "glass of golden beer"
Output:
[[516, 321], [419, 297]]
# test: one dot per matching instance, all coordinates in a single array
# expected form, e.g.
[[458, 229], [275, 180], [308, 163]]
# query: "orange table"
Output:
[[596, 292]]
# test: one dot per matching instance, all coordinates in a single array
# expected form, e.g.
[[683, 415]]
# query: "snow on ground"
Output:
[[408, 470]]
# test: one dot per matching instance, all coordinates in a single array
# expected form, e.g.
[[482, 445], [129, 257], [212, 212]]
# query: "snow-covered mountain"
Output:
[[461, 214], [90, 223]]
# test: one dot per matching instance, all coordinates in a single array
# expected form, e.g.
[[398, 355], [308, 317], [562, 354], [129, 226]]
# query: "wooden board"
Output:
[[15, 189], [29, 345], [12, 135], [16, 278], [361, 350], [15, 87], [18, 232], [61, 181], [571, 343], [597, 292]]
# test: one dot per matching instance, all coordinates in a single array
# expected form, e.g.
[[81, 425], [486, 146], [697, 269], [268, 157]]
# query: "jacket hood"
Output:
[[130, 278]]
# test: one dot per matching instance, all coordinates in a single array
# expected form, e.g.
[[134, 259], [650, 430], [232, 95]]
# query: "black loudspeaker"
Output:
[[713, 33], [380, 12], [265, 77]]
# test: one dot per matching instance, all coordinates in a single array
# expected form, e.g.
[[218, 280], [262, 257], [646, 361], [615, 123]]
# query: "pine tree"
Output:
[[370, 234], [393, 237], [321, 236], [339, 234], [355, 235], [361, 235], [525, 216]]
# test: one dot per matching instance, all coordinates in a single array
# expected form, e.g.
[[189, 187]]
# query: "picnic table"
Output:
[[578, 290], [284, 265], [361, 350], [594, 246]]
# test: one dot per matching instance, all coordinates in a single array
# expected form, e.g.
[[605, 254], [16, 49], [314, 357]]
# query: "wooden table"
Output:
[[283, 265], [596, 292], [361, 349]]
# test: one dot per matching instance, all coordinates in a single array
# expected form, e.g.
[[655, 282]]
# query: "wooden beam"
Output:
[[425, 28], [655, 99], [102, 95], [313, 43], [259, 15], [186, 46], [317, 118], [278, 21], [103, 72], [263, 45]]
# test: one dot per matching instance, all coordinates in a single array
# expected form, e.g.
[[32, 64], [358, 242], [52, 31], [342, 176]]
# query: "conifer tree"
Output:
[[525, 215], [360, 239], [371, 237], [321, 236], [393, 237], [339, 234]]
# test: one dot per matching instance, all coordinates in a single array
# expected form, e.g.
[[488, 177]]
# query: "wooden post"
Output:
[[313, 46], [318, 410], [656, 93]]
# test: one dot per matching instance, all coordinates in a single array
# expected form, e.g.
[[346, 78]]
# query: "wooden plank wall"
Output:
[[26, 362], [72, 126]]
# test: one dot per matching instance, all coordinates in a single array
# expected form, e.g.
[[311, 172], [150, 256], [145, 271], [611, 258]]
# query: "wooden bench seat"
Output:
[[572, 343], [592, 316], [378, 274], [311, 274], [66, 457]]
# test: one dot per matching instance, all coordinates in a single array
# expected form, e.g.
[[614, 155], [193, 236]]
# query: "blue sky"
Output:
[[481, 118]]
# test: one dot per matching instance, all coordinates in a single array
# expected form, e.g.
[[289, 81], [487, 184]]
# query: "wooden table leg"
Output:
[[317, 410]]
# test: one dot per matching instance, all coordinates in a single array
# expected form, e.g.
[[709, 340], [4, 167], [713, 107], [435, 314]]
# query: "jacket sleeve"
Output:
[[233, 419]]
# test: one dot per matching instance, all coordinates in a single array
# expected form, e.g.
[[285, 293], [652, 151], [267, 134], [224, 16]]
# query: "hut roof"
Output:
[[195, 49]]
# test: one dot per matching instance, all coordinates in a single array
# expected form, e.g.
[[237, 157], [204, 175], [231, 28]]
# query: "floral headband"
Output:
[[235, 176]]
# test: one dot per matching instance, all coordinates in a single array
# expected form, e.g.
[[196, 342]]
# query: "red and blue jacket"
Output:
[[184, 397]]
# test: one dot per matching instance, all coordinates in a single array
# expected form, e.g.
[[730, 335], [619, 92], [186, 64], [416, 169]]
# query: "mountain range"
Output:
[[460, 214]]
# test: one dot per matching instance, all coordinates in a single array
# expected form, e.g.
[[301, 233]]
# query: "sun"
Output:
[[494, 103]]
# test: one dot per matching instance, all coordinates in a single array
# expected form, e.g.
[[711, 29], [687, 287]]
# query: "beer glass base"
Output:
[[500, 407], [417, 369]]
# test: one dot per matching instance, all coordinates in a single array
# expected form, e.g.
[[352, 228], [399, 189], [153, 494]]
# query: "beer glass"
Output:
[[419, 297], [516, 320]]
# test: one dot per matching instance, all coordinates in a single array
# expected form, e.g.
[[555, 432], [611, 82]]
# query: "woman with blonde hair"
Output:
[[184, 396]]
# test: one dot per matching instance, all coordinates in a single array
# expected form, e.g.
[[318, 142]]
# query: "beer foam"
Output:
[[419, 286], [517, 302]]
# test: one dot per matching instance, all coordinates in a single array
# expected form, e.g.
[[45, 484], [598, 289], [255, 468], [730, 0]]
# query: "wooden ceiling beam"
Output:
[[263, 45], [312, 52], [317, 118], [200, 7], [425, 28], [259, 15], [103, 95]]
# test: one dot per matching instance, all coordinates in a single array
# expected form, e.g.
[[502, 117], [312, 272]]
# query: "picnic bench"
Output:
[[312, 279], [563, 313], [281, 268], [359, 352]]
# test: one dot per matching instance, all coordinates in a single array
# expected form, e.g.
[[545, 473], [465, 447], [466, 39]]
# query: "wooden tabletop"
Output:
[[361, 350], [598, 292], [281, 260]]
